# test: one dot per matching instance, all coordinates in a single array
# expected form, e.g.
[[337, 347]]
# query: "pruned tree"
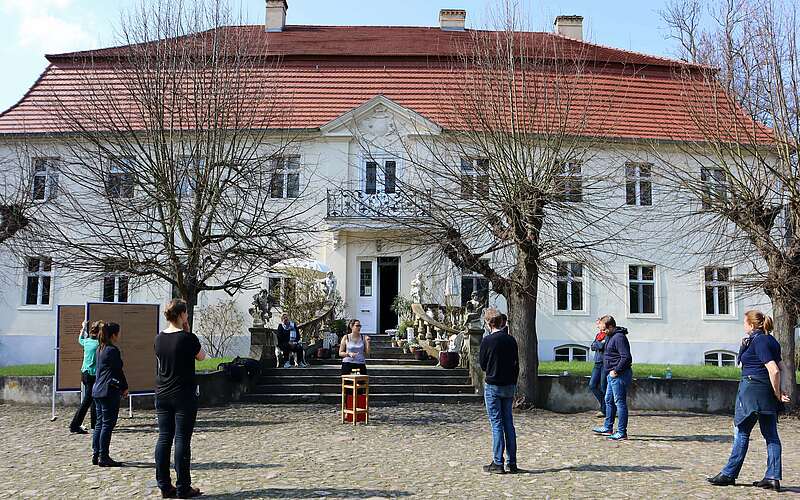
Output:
[[514, 186], [18, 202], [740, 178], [170, 167]]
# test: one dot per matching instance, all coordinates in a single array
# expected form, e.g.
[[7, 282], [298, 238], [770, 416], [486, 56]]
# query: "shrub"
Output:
[[217, 325]]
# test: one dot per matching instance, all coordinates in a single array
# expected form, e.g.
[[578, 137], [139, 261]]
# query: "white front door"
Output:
[[367, 304]]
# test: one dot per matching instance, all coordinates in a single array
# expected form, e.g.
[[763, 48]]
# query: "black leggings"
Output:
[[86, 404], [176, 417]]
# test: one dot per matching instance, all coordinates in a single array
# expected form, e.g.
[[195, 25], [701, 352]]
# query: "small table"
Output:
[[352, 384]]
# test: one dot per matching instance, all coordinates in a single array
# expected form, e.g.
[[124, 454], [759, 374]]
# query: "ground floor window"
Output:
[[38, 280], [571, 353], [720, 358]]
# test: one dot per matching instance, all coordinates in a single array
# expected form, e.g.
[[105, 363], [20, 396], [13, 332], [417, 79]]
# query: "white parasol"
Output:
[[311, 268]]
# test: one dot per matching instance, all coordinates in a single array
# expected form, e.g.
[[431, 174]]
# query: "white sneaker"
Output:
[[304, 365], [287, 365]]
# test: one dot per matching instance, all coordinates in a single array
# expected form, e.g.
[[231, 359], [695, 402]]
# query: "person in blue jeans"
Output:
[[597, 382], [759, 400], [617, 361], [499, 358], [109, 387]]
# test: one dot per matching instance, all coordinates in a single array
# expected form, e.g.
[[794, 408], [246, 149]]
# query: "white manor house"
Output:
[[357, 95]]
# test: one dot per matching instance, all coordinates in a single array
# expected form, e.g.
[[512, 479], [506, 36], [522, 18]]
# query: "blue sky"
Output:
[[31, 28]]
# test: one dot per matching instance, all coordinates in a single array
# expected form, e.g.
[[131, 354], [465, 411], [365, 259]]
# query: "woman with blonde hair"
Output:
[[759, 400]]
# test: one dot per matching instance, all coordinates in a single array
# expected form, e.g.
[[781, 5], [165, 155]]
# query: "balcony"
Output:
[[356, 204]]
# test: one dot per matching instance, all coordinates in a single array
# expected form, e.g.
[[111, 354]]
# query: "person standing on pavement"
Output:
[[88, 340], [110, 385], [597, 382], [176, 350], [499, 358], [617, 361], [759, 400]]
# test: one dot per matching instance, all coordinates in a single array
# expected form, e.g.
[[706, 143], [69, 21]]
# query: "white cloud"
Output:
[[44, 25]]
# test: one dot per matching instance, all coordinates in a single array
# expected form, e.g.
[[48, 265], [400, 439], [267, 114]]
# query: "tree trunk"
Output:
[[785, 324], [522, 326]]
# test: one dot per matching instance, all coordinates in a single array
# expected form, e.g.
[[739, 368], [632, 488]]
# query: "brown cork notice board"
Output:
[[138, 327], [69, 357]]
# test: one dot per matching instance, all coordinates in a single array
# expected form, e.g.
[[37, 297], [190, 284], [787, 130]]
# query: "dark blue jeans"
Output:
[[107, 413], [768, 422], [176, 417], [597, 384], [499, 402], [617, 400]]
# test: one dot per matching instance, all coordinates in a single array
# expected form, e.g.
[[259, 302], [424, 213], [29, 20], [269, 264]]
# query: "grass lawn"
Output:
[[207, 365], [643, 370]]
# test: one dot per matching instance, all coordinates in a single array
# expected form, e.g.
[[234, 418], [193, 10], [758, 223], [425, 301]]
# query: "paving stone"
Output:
[[415, 450]]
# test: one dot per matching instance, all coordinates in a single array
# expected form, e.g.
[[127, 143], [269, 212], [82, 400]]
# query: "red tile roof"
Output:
[[327, 71]]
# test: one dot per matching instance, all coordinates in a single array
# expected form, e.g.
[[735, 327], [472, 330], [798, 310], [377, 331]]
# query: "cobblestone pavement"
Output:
[[414, 450]]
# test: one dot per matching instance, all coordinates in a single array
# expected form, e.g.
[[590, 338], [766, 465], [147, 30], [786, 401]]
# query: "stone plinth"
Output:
[[475, 372], [262, 345]]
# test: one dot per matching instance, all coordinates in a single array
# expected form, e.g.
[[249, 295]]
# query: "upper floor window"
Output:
[[44, 185], [380, 176], [120, 180], [642, 289], [115, 282], [285, 182], [474, 282], [474, 178], [638, 184], [720, 358], [569, 286], [571, 353], [569, 185], [715, 186], [38, 280], [718, 290]]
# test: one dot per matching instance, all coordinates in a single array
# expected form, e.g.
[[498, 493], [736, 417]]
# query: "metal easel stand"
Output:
[[53, 391], [130, 401]]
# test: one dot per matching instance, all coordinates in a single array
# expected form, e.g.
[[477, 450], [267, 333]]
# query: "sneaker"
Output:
[[304, 365], [618, 436], [603, 431], [494, 468], [287, 365], [600, 414], [512, 468], [79, 430]]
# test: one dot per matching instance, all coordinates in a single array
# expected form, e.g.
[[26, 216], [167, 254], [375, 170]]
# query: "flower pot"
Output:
[[420, 355], [449, 360]]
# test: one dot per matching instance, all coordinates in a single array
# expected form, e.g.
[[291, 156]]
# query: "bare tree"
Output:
[[740, 177], [17, 197], [512, 189], [170, 166], [217, 326]]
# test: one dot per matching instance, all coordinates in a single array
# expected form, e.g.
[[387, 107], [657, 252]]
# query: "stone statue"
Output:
[[261, 310], [474, 310], [418, 291], [329, 286]]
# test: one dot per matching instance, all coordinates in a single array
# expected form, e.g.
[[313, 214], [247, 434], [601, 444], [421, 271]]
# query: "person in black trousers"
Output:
[[176, 349], [87, 339], [109, 387], [289, 342]]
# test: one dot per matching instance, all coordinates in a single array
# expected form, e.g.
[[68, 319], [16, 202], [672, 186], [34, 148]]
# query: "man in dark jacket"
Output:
[[617, 361], [289, 341], [499, 358]]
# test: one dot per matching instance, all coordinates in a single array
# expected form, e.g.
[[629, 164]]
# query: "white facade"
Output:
[[370, 263]]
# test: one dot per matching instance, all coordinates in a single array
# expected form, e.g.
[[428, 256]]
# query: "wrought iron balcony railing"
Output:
[[345, 203]]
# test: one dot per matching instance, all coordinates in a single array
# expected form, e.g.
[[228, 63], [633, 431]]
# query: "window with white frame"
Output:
[[115, 282], [38, 280], [569, 184], [282, 289], [569, 286], [44, 185], [715, 186], [365, 278], [120, 179], [189, 170], [474, 282], [474, 178], [380, 176], [638, 184], [285, 182], [720, 358], [718, 291], [571, 353], [642, 289]]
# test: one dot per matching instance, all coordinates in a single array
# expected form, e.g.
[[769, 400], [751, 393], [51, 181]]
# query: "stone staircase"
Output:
[[395, 377]]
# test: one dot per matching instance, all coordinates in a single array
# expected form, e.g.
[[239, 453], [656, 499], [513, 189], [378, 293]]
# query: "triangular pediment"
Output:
[[380, 117]]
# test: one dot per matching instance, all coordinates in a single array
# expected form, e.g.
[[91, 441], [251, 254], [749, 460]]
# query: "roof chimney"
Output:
[[452, 19], [570, 26], [276, 15]]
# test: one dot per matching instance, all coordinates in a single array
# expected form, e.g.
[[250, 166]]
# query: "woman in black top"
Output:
[[110, 385], [176, 400]]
